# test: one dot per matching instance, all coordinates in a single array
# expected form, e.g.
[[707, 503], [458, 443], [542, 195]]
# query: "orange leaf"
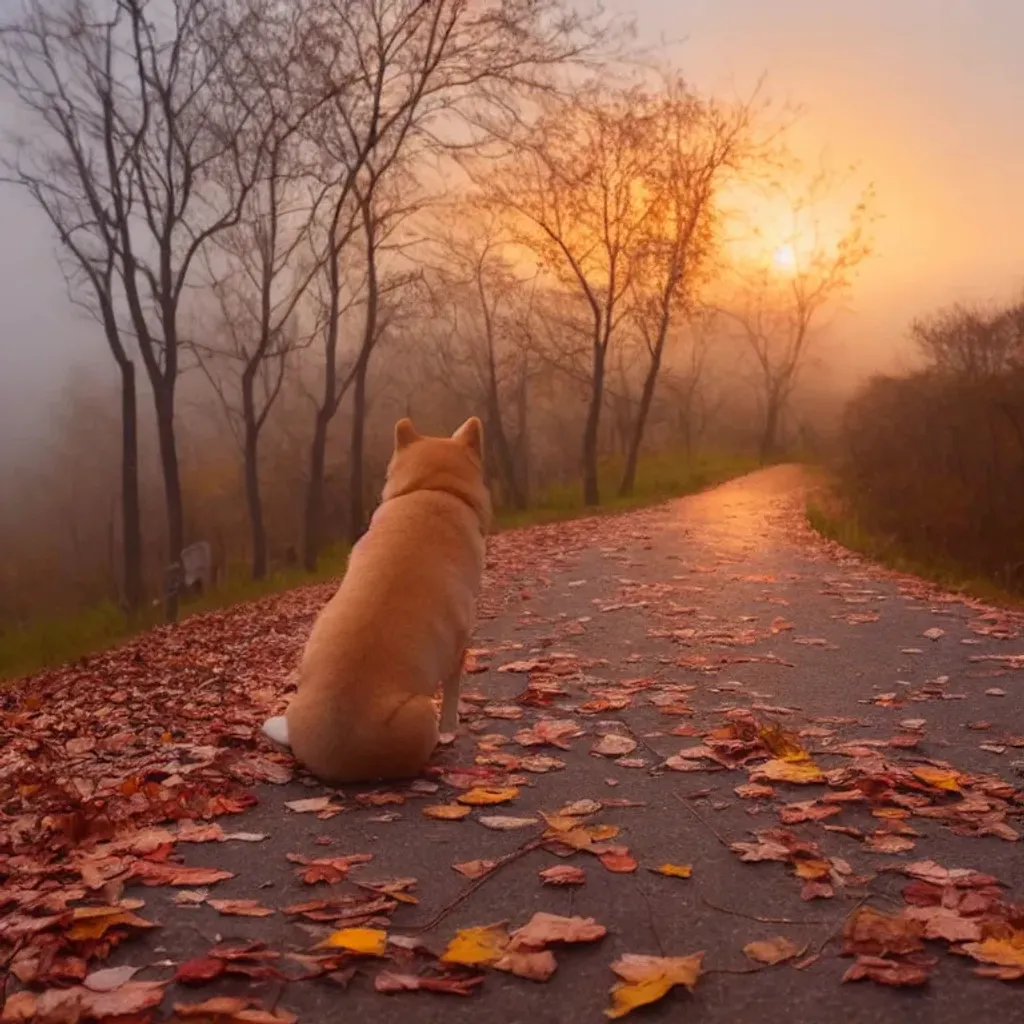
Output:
[[481, 796], [445, 812], [646, 979]]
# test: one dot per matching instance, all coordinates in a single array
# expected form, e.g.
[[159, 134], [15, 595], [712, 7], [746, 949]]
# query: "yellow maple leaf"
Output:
[[645, 979], [939, 778], [777, 770], [783, 745], [1007, 951], [479, 946], [674, 870], [812, 870], [482, 796], [368, 941]]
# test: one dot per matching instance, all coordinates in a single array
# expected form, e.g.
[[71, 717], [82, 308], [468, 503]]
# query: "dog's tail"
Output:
[[276, 730]]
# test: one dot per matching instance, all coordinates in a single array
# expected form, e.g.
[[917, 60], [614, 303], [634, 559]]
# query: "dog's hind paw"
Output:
[[276, 730]]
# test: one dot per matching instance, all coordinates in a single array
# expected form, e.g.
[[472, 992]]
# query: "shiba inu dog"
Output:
[[398, 625]]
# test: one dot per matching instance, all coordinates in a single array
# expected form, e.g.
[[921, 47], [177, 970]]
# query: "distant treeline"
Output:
[[935, 460]]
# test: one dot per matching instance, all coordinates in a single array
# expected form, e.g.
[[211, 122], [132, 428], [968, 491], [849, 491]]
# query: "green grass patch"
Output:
[[56, 641], [835, 519], [49, 642]]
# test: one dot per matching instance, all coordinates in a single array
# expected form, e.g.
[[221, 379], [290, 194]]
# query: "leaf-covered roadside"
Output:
[[126, 783]]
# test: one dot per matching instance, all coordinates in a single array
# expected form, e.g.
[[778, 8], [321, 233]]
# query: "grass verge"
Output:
[[833, 517], [56, 641]]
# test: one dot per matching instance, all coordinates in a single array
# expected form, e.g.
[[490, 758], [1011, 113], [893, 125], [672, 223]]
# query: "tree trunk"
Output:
[[131, 518], [254, 501], [591, 488], [769, 434], [315, 494], [164, 401], [357, 512], [646, 400], [500, 444], [251, 472]]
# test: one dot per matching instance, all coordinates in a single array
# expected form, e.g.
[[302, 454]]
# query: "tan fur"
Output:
[[400, 621]]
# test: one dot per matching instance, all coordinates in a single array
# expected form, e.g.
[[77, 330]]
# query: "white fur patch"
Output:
[[276, 730]]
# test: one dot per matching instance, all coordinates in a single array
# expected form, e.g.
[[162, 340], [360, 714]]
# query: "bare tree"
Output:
[[261, 267], [482, 302], [151, 112], [972, 342], [46, 63], [701, 144], [419, 77], [574, 196], [780, 298]]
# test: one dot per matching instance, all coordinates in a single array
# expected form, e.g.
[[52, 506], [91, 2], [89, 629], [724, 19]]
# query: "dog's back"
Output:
[[398, 623]]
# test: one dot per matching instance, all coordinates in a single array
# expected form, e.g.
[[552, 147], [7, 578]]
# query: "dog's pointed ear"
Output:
[[405, 433], [471, 434]]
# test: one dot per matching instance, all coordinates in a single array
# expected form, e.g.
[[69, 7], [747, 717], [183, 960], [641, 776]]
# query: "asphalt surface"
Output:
[[653, 590]]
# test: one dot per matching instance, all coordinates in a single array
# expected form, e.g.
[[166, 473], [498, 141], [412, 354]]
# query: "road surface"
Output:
[[670, 629]]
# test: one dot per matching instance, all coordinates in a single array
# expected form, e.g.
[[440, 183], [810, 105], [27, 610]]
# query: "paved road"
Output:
[[714, 603]]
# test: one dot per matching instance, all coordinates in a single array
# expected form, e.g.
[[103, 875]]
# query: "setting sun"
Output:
[[784, 259]]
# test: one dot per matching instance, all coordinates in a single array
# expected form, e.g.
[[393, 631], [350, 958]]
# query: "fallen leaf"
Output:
[[199, 970], [939, 778], [944, 923], [446, 812], [481, 946], [481, 796], [674, 870], [646, 979], [563, 874], [754, 791], [783, 745], [543, 929], [389, 982], [535, 965], [240, 908], [366, 941], [312, 805], [772, 951], [110, 978], [614, 746], [617, 859], [503, 823], [887, 972], [475, 868], [886, 842], [801, 773], [1005, 952], [870, 932], [934, 633]]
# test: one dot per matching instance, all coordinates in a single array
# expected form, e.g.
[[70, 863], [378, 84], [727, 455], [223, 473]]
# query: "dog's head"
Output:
[[453, 465]]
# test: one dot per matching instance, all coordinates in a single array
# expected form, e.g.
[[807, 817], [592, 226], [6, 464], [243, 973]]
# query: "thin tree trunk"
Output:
[[251, 472], [131, 518], [172, 498], [769, 435], [499, 441], [591, 487], [646, 400], [357, 512], [315, 494]]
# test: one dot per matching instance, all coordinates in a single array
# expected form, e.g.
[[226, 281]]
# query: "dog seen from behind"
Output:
[[399, 623]]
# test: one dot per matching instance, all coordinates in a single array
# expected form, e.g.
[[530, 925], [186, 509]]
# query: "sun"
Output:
[[784, 259]]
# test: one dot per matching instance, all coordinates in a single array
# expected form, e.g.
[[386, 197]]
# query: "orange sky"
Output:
[[925, 94]]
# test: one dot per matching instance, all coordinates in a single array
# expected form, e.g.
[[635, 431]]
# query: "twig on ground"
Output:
[[760, 919], [707, 824], [473, 886]]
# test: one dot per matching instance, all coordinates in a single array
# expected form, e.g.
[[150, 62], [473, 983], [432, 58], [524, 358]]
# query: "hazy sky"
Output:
[[927, 95]]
